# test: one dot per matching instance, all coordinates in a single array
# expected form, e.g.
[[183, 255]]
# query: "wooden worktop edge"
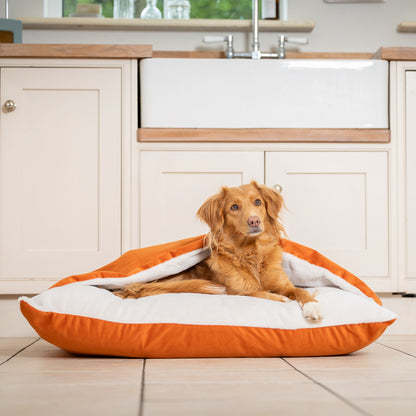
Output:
[[268, 135], [396, 54], [26, 50]]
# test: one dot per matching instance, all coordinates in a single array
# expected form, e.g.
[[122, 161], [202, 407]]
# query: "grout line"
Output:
[[395, 349], [334, 393], [18, 352], [142, 389]]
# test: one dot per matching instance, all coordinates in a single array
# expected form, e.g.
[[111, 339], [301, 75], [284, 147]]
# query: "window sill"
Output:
[[175, 25]]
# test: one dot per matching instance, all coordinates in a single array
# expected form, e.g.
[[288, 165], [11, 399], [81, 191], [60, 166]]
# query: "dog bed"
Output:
[[80, 316]]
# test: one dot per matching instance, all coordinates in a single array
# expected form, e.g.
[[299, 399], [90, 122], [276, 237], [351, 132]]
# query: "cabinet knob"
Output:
[[10, 106], [278, 188]]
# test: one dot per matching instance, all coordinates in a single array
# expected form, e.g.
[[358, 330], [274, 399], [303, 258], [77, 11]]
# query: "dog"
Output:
[[246, 253]]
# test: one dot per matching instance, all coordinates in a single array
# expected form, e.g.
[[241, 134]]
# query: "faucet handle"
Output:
[[228, 39], [298, 41], [215, 39], [281, 49]]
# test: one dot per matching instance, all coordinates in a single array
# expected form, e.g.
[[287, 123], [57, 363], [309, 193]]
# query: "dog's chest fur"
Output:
[[242, 269]]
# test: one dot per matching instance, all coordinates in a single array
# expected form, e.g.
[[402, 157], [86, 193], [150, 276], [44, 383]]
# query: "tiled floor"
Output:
[[37, 378]]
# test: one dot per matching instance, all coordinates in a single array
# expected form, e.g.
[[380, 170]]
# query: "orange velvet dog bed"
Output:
[[80, 316]]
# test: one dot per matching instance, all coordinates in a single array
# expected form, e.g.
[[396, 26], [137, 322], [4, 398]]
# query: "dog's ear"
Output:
[[272, 199], [212, 211]]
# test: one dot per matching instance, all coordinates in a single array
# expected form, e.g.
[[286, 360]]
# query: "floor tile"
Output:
[[10, 346], [234, 387], [388, 407], [43, 356], [62, 399], [372, 357], [220, 370], [45, 380], [394, 390], [377, 373], [242, 399], [406, 344]]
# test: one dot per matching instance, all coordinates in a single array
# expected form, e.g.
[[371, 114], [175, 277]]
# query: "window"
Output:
[[200, 9]]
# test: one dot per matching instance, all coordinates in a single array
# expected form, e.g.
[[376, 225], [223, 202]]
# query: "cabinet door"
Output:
[[337, 203], [174, 184], [60, 172], [410, 186]]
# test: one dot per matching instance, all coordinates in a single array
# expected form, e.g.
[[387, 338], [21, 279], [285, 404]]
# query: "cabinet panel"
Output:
[[174, 184], [410, 187], [60, 164], [337, 203]]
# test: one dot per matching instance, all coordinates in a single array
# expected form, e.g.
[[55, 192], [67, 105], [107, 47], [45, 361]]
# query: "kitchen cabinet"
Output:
[[174, 184], [337, 201], [410, 187], [61, 148], [403, 93]]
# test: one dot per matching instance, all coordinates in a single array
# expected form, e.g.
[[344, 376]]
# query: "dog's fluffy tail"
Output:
[[139, 290]]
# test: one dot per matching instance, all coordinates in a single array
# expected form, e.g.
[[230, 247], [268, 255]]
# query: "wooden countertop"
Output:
[[396, 54], [264, 135], [26, 50]]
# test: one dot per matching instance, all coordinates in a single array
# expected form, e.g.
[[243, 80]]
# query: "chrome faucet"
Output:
[[255, 52]]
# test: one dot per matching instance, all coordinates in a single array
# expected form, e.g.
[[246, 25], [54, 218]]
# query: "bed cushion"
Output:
[[79, 315]]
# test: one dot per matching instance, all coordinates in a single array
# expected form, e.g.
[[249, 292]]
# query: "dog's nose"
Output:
[[253, 221]]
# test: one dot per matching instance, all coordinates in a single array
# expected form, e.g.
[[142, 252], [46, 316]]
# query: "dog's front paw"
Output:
[[312, 312]]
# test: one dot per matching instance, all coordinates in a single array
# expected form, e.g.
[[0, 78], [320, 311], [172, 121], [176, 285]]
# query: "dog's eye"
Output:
[[257, 202], [235, 207]]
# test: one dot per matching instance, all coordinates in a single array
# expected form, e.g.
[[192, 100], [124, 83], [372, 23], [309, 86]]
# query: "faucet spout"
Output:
[[255, 52], [255, 49]]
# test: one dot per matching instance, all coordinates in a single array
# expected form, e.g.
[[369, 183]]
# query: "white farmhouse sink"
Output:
[[290, 93]]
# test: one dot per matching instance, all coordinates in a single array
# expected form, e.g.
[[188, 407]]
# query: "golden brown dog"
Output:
[[246, 253]]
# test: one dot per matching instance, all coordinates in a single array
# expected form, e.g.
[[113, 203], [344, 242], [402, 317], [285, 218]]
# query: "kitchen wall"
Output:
[[340, 27]]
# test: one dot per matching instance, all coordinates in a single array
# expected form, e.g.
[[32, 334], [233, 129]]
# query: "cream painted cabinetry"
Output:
[[61, 151], [337, 197], [403, 93], [337, 203], [410, 187], [174, 184]]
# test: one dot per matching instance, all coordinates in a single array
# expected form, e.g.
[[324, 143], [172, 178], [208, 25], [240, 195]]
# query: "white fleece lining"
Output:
[[338, 306], [300, 272], [305, 274], [169, 267], [341, 302]]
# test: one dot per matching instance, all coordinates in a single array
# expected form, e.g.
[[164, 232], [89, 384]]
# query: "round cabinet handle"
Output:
[[10, 106], [278, 188]]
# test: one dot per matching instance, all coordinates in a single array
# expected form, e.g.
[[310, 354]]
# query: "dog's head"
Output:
[[248, 210]]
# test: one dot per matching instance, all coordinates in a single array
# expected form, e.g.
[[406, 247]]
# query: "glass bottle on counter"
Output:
[[177, 9], [270, 9], [123, 9], [151, 11]]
